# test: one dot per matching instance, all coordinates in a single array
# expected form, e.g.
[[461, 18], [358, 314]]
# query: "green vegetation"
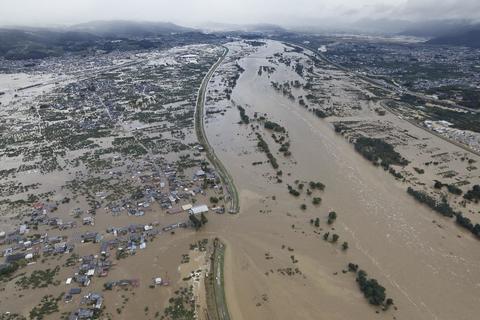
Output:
[[181, 305], [9, 269], [129, 146], [376, 150], [39, 279], [473, 194], [467, 224], [394, 173], [445, 209], [352, 267], [47, 306], [374, 292], [450, 187], [461, 120], [270, 125], [454, 189], [441, 207], [11, 316], [319, 113], [419, 170], [244, 118], [263, 146], [332, 216], [470, 96], [316, 185], [292, 191]]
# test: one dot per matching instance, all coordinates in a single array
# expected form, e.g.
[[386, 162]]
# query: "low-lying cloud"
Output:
[[195, 12]]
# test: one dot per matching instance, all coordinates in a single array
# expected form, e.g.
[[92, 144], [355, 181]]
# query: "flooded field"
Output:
[[109, 206], [278, 265], [104, 187]]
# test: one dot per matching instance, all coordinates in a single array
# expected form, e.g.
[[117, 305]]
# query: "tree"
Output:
[[325, 236], [438, 184], [317, 222], [372, 290], [303, 206], [332, 216], [335, 237], [345, 246], [352, 267]]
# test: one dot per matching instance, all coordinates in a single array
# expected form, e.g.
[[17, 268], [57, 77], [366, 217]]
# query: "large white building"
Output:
[[199, 209]]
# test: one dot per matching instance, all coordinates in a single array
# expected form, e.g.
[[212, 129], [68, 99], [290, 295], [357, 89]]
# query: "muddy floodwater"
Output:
[[429, 267]]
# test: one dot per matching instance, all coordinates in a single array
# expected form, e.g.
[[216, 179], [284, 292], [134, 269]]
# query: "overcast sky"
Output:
[[196, 12]]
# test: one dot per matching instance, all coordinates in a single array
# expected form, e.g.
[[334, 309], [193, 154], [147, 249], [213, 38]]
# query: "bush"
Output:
[[372, 290], [270, 125], [332, 216], [474, 194], [441, 207], [244, 118], [377, 150], [335, 237]]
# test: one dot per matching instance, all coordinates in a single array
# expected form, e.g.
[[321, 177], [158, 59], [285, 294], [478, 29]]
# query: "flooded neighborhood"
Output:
[[238, 171]]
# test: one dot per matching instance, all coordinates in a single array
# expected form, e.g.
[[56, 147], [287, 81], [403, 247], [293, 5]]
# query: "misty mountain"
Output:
[[40, 43], [383, 26], [36, 43], [128, 29], [423, 29], [437, 28], [468, 38], [227, 27]]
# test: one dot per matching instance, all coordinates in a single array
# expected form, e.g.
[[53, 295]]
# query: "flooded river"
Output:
[[431, 272]]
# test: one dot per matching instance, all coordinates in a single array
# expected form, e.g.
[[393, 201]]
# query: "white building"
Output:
[[199, 209]]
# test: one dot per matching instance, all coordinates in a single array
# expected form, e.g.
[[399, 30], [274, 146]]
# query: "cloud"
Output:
[[443, 9], [191, 12]]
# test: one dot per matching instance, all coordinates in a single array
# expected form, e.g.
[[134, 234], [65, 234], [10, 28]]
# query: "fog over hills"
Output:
[[66, 26], [119, 28], [314, 13]]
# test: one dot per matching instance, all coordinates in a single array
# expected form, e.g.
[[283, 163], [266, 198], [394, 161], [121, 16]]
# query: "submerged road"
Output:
[[226, 178]]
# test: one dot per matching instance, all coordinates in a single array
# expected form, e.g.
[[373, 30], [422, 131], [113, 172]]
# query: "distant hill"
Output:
[[424, 29], [128, 29], [469, 38], [227, 27], [436, 28], [40, 43], [384, 26], [21, 43]]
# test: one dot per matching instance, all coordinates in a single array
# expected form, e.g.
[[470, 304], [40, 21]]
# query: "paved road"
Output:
[[226, 178]]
